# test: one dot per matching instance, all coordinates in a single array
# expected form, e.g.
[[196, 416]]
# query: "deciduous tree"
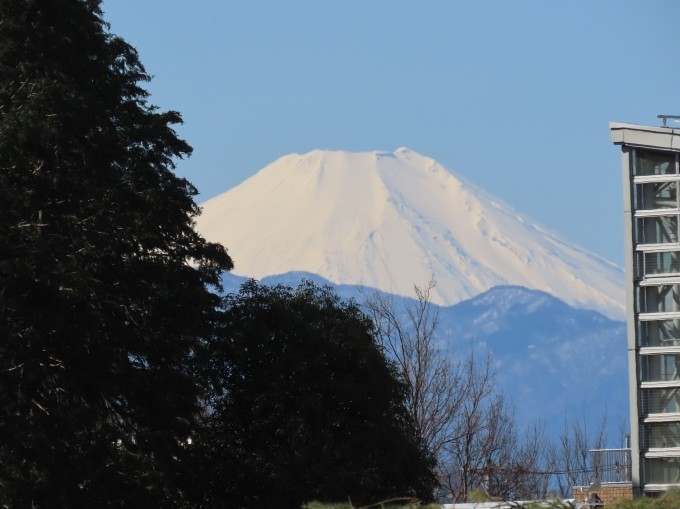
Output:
[[571, 456], [462, 415], [435, 383]]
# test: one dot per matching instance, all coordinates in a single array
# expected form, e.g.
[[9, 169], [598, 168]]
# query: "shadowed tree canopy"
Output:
[[104, 284], [310, 408]]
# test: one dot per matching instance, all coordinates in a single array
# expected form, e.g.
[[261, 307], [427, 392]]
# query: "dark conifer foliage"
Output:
[[310, 408], [104, 299]]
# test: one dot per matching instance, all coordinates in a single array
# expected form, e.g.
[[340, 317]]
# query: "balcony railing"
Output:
[[611, 465]]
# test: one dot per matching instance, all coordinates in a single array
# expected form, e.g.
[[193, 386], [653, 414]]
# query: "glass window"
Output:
[[667, 262], [659, 333], [660, 435], [660, 401], [656, 230], [658, 299], [659, 368], [656, 195], [647, 162], [662, 470]]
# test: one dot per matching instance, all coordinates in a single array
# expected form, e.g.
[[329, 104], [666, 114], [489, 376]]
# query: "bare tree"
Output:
[[571, 456], [486, 452], [462, 415], [535, 467], [480, 449], [435, 385]]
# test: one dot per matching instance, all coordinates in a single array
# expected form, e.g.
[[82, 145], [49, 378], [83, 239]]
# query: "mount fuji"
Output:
[[389, 220]]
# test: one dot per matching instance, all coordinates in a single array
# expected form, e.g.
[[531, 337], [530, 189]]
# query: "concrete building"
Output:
[[651, 177]]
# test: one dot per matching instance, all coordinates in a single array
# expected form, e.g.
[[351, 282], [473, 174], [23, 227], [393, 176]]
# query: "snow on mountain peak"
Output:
[[390, 220]]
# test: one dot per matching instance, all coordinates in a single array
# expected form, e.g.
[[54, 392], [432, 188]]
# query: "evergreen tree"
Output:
[[104, 284], [310, 409]]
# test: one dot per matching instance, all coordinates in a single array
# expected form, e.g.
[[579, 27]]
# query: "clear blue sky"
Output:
[[515, 96]]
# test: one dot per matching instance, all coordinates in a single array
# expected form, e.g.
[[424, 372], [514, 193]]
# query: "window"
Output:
[[662, 470], [660, 401], [647, 162], [659, 333], [657, 263], [659, 368], [660, 435], [656, 230], [656, 195], [658, 299]]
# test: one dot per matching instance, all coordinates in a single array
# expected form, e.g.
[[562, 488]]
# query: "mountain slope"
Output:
[[391, 219], [551, 359]]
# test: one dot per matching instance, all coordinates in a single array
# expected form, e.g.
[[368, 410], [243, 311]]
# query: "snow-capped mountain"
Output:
[[389, 220]]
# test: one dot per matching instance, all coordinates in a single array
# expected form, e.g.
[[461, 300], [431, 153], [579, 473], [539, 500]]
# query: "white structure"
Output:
[[651, 177], [518, 504]]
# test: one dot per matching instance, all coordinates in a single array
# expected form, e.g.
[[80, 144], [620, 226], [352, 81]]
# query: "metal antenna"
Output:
[[665, 117]]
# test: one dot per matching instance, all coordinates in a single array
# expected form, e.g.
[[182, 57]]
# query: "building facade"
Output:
[[651, 177]]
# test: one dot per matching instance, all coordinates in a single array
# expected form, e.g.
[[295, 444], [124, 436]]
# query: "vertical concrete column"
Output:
[[628, 219]]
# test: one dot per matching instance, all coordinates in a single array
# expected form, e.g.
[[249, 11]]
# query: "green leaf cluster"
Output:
[[104, 301], [310, 408]]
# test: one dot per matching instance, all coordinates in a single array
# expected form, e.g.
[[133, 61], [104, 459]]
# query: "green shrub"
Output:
[[670, 500], [319, 505]]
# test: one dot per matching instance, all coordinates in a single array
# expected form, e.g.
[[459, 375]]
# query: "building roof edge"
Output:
[[664, 138]]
